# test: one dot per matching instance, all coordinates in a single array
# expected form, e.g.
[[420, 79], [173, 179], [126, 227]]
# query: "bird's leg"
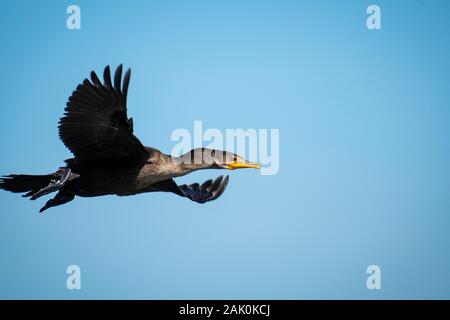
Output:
[[54, 185], [60, 198]]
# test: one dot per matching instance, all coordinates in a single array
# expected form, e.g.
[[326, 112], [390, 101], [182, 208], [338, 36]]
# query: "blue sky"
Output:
[[364, 149]]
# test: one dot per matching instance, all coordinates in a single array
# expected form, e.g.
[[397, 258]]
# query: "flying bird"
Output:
[[110, 160]]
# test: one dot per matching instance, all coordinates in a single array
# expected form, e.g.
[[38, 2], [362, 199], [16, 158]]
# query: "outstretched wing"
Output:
[[208, 191], [205, 192], [95, 123]]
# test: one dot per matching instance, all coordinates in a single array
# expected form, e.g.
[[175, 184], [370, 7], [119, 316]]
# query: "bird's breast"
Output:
[[151, 175]]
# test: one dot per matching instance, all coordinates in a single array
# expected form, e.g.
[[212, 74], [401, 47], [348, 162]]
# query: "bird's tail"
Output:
[[31, 184], [37, 186]]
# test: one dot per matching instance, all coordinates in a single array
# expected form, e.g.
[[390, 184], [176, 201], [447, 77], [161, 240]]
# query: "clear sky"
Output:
[[364, 149]]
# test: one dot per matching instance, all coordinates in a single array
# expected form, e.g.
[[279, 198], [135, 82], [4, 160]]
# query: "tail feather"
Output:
[[20, 183], [37, 186], [31, 184]]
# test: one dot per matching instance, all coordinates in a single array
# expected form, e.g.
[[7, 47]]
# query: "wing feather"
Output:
[[95, 124], [208, 191]]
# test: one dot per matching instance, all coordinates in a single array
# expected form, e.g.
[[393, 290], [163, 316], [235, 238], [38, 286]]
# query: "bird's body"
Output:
[[110, 160], [123, 176]]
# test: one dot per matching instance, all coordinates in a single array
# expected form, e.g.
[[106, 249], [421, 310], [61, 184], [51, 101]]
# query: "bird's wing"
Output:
[[208, 191], [95, 124]]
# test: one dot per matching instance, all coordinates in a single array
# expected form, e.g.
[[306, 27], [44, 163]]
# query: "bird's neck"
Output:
[[175, 166], [182, 167]]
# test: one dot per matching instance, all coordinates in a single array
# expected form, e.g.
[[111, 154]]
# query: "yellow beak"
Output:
[[243, 165]]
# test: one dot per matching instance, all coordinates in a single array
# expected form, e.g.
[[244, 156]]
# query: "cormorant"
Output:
[[109, 159]]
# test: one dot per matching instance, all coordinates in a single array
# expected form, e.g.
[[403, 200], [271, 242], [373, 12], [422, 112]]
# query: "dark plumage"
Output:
[[109, 159]]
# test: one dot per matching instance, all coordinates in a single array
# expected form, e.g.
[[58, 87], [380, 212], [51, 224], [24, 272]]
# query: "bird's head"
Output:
[[217, 159], [231, 161]]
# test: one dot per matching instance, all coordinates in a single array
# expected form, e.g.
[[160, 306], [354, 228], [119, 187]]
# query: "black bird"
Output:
[[109, 159]]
